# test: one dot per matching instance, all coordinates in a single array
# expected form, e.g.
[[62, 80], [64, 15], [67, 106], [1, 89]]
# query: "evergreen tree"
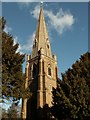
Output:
[[45, 113], [12, 112], [4, 114], [13, 79], [71, 98]]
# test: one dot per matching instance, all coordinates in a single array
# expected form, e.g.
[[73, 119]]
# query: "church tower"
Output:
[[41, 70]]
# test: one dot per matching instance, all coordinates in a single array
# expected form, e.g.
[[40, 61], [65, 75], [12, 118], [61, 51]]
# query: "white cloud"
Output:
[[15, 40], [7, 29], [23, 5], [36, 11], [27, 46], [19, 47], [60, 21], [29, 43]]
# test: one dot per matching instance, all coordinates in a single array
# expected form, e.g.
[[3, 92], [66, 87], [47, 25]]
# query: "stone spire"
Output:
[[41, 37]]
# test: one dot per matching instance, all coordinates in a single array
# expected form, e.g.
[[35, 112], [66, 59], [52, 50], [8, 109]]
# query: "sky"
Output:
[[67, 26], [45, 0]]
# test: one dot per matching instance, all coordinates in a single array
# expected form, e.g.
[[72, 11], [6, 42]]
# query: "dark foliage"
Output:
[[45, 113], [71, 98], [13, 79]]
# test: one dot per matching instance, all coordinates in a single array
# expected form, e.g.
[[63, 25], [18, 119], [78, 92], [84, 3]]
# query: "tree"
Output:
[[45, 113], [13, 79], [12, 112], [71, 97], [4, 114]]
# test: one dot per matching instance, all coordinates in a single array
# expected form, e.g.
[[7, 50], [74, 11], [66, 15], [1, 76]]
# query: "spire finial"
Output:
[[41, 3]]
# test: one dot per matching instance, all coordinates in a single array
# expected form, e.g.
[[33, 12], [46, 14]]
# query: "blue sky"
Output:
[[45, 0], [67, 24]]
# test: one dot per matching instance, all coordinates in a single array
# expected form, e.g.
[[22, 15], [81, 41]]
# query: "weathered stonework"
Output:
[[41, 70]]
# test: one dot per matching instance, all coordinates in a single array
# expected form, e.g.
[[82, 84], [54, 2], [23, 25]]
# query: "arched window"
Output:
[[49, 71]]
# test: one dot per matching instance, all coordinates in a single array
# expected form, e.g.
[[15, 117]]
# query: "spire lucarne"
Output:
[[41, 37]]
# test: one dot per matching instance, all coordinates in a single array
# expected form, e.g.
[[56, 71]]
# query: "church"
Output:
[[41, 70]]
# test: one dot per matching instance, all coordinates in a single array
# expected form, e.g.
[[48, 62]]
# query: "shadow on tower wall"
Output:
[[32, 102]]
